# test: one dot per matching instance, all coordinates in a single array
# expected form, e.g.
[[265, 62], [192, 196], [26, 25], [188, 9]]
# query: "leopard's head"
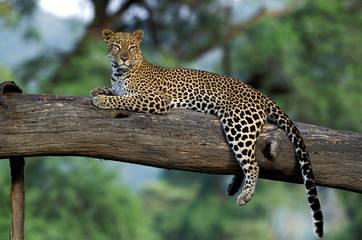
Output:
[[123, 48]]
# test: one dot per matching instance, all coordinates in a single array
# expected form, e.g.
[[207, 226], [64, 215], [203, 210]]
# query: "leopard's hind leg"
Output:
[[251, 172], [242, 129]]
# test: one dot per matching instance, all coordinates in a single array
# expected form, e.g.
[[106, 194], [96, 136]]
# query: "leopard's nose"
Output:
[[124, 58], [124, 55]]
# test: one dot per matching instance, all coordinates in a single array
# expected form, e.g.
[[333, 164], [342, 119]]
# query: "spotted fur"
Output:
[[140, 86]]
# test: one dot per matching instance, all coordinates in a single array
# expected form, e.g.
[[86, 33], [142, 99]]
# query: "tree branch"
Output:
[[49, 125]]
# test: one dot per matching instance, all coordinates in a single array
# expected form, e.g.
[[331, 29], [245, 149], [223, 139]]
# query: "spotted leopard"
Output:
[[138, 85]]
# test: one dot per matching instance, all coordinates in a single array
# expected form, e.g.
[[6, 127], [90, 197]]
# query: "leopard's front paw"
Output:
[[101, 91], [101, 101]]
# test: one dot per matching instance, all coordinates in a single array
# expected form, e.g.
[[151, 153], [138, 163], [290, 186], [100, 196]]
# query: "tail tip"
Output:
[[318, 230]]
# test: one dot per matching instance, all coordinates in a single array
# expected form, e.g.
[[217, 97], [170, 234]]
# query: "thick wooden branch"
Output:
[[35, 125]]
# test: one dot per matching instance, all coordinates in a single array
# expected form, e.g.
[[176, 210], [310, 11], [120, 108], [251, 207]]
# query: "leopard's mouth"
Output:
[[123, 64], [126, 64]]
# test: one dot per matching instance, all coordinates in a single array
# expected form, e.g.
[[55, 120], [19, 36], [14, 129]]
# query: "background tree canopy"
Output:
[[306, 55]]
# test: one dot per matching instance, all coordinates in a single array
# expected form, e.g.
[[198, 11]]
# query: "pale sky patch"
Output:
[[80, 9]]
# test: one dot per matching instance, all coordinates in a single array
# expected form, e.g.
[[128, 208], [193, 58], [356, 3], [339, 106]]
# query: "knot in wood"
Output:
[[269, 150]]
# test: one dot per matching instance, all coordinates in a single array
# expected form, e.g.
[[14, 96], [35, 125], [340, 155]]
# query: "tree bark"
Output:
[[53, 125]]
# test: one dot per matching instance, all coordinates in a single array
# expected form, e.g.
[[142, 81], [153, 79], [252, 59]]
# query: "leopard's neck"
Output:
[[123, 74], [117, 70]]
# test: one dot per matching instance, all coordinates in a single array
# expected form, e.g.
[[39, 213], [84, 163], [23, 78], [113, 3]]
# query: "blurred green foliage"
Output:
[[314, 52], [308, 61], [75, 198]]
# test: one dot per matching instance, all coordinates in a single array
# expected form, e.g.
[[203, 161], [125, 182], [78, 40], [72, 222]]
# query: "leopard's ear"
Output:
[[138, 34], [107, 34]]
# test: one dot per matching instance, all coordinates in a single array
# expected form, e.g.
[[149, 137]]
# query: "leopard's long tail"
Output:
[[278, 117]]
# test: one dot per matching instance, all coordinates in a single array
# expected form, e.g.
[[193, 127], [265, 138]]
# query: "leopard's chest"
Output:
[[119, 85]]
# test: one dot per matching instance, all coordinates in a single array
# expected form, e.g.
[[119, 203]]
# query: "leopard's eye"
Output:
[[132, 47], [116, 47]]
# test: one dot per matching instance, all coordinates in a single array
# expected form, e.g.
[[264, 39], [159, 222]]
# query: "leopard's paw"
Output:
[[101, 91], [101, 101], [244, 198]]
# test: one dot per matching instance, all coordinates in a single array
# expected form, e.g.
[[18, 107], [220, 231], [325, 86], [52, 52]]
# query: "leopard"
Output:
[[138, 85]]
